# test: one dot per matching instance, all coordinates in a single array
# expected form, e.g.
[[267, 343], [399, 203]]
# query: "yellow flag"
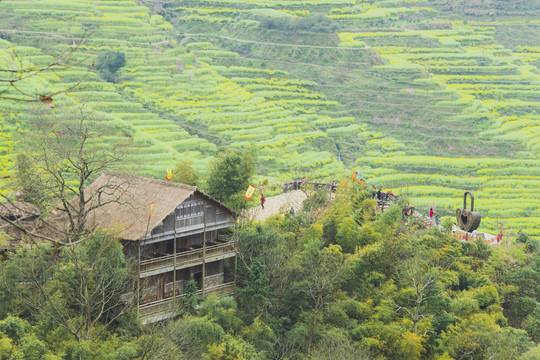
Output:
[[249, 192], [169, 175], [151, 209]]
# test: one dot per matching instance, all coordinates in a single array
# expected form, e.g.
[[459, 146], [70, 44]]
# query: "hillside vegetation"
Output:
[[432, 97], [341, 282]]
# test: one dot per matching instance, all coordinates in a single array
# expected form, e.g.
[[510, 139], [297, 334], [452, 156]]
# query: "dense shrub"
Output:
[[312, 23], [108, 63]]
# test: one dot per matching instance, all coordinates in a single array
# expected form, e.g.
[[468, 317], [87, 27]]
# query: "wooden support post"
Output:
[[139, 262], [235, 268], [138, 279], [174, 267], [204, 250], [235, 238]]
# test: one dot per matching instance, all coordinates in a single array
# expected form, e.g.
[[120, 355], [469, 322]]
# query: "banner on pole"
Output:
[[249, 193], [151, 209], [169, 175]]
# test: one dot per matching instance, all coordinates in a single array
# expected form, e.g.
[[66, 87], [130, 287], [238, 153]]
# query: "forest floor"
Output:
[[273, 205]]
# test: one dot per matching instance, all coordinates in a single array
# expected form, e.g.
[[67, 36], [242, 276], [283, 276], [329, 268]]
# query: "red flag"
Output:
[[249, 192]]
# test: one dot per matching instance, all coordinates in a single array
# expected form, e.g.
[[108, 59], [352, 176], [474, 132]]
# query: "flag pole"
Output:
[[139, 262]]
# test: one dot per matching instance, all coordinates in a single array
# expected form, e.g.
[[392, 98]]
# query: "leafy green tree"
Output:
[[419, 276], [347, 235], [19, 341], [185, 174], [229, 175], [322, 271], [254, 296], [193, 335], [316, 200], [15, 328], [261, 336], [222, 311], [532, 354], [188, 302], [411, 346], [31, 349], [28, 178], [479, 337], [231, 348], [155, 343], [525, 299], [78, 289], [6, 347], [532, 324], [336, 345], [108, 63]]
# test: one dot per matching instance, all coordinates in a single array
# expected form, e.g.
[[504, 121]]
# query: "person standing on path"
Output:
[[437, 220], [263, 199], [431, 213]]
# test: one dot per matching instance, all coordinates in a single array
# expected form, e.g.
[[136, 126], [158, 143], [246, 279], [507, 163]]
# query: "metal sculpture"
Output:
[[468, 220]]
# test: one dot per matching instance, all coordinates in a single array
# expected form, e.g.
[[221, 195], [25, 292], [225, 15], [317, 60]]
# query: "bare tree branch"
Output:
[[16, 74]]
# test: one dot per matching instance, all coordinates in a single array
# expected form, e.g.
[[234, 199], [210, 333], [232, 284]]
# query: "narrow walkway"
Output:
[[272, 206], [293, 200]]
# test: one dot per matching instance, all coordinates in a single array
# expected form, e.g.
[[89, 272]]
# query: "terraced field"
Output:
[[497, 91], [402, 90], [504, 189], [171, 101]]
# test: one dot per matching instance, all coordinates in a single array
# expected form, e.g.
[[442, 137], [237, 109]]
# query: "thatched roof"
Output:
[[127, 200], [11, 236], [19, 210]]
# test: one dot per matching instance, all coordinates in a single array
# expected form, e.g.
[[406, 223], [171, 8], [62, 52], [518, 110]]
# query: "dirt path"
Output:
[[287, 201]]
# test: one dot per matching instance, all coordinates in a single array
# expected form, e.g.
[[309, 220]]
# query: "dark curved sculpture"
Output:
[[468, 220]]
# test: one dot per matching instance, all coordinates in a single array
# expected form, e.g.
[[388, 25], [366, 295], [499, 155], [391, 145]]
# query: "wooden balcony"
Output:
[[186, 259], [163, 309], [192, 225]]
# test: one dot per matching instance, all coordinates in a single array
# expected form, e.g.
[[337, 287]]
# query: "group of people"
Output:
[[381, 195]]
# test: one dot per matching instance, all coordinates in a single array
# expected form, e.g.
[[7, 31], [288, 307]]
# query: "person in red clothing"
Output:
[[431, 213], [263, 199]]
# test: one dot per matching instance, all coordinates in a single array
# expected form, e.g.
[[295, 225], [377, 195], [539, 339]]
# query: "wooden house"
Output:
[[172, 232]]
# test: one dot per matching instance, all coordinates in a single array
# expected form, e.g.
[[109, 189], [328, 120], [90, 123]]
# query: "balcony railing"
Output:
[[186, 259], [164, 308]]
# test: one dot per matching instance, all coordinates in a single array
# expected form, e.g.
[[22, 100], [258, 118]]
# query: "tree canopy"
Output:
[[341, 282], [229, 175], [108, 63]]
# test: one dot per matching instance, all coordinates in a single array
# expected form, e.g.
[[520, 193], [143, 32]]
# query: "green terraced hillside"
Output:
[[431, 97]]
